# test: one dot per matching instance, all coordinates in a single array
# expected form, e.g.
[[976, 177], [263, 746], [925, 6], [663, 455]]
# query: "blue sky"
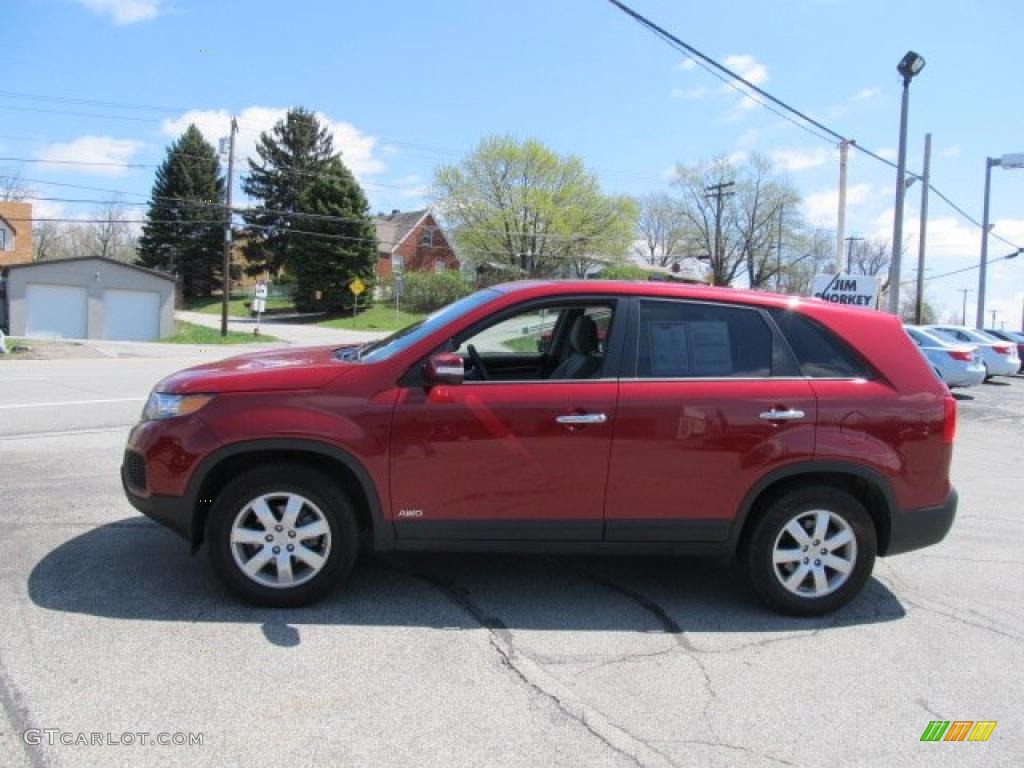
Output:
[[408, 85]]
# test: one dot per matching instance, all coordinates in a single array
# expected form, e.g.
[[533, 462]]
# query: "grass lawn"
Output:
[[210, 305], [188, 333], [379, 317]]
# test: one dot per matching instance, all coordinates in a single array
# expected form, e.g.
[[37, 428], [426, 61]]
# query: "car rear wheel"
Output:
[[811, 551], [282, 536]]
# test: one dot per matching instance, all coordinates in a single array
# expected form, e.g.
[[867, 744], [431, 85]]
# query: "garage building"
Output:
[[89, 297]]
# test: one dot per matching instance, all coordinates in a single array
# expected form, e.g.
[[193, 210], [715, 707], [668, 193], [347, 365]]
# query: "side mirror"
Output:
[[444, 368]]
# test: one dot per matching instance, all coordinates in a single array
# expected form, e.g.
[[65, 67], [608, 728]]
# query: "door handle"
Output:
[[582, 418], [790, 415]]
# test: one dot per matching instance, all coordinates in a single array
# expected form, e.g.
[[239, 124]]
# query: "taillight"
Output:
[[948, 419], [957, 354], [1002, 349]]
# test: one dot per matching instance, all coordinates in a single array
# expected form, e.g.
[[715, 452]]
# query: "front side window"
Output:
[[693, 340], [547, 342]]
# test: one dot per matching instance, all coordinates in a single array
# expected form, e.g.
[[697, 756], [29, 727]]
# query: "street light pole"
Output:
[[925, 176], [909, 65], [1007, 162]]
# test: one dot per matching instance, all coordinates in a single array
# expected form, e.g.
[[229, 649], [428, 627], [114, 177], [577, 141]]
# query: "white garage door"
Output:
[[132, 315], [55, 310]]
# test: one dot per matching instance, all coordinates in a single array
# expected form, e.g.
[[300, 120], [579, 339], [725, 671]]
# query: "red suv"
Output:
[[800, 436]]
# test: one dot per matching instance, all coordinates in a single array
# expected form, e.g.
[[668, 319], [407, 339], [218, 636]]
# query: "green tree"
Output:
[[187, 192], [290, 158], [341, 246], [520, 204]]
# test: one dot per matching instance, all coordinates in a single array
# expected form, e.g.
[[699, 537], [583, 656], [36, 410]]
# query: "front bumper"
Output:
[[916, 528], [171, 511]]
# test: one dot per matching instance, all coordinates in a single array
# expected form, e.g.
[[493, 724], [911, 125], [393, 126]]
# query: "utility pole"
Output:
[[778, 252], [983, 264], [844, 151], [919, 303], [849, 254], [717, 191], [963, 309], [994, 312], [226, 276]]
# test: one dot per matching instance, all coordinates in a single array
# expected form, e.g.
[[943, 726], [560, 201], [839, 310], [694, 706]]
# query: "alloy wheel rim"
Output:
[[280, 540], [814, 553]]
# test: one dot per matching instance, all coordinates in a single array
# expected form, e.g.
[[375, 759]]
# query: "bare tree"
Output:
[[812, 252], [12, 186], [764, 205], [663, 229], [47, 240], [111, 233], [714, 229]]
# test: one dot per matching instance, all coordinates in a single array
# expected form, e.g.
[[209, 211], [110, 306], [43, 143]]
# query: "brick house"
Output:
[[412, 242], [15, 233]]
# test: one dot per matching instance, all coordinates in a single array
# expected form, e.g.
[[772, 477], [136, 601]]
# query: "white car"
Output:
[[957, 364], [999, 357]]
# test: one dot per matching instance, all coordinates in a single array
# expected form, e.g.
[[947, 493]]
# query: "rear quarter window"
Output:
[[819, 352]]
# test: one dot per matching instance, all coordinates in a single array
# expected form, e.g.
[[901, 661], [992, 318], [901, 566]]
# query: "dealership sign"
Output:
[[855, 290]]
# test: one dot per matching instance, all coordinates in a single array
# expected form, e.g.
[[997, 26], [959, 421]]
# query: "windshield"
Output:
[[403, 339]]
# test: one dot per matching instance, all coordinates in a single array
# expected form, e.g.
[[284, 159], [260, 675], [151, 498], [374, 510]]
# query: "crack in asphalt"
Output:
[[723, 745], [622, 742], [18, 715], [924, 705], [670, 626]]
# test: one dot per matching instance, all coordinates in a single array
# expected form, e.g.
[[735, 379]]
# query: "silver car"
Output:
[[957, 364], [999, 357]]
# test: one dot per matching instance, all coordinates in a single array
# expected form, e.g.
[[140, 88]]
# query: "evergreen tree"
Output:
[[188, 189], [340, 248], [298, 172]]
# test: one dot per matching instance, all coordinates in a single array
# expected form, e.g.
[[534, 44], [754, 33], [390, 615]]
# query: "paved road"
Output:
[[296, 333], [110, 627]]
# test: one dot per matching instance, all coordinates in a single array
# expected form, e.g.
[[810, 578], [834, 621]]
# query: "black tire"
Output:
[[758, 560], [280, 479]]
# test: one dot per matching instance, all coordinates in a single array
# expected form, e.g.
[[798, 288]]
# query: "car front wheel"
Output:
[[282, 536], [811, 551]]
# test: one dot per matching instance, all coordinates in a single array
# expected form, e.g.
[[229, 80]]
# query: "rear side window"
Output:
[[684, 340], [820, 354]]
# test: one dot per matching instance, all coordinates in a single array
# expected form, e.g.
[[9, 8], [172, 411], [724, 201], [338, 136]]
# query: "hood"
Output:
[[305, 368]]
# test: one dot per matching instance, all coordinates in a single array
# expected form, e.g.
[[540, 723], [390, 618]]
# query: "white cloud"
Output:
[[865, 93], [91, 149], [750, 69], [821, 208], [688, 65], [411, 186], [951, 151], [887, 152], [125, 11], [358, 150], [800, 159]]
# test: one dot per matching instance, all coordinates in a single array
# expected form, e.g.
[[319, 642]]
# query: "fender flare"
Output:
[[383, 535], [859, 471]]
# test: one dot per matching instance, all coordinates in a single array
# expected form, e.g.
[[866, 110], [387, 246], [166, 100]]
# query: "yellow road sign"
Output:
[[356, 286]]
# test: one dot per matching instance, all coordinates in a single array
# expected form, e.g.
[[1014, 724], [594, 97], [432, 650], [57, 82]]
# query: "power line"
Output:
[[723, 72], [300, 214]]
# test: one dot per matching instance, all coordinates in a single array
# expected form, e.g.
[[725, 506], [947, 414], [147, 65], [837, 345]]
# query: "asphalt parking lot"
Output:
[[108, 626]]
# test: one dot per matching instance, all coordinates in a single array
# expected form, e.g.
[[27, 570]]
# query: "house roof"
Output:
[[103, 259], [394, 227]]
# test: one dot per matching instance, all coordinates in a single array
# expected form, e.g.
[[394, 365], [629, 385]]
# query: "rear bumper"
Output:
[[916, 528]]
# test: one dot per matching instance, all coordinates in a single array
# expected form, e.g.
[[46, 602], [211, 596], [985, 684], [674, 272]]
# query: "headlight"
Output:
[[164, 406]]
